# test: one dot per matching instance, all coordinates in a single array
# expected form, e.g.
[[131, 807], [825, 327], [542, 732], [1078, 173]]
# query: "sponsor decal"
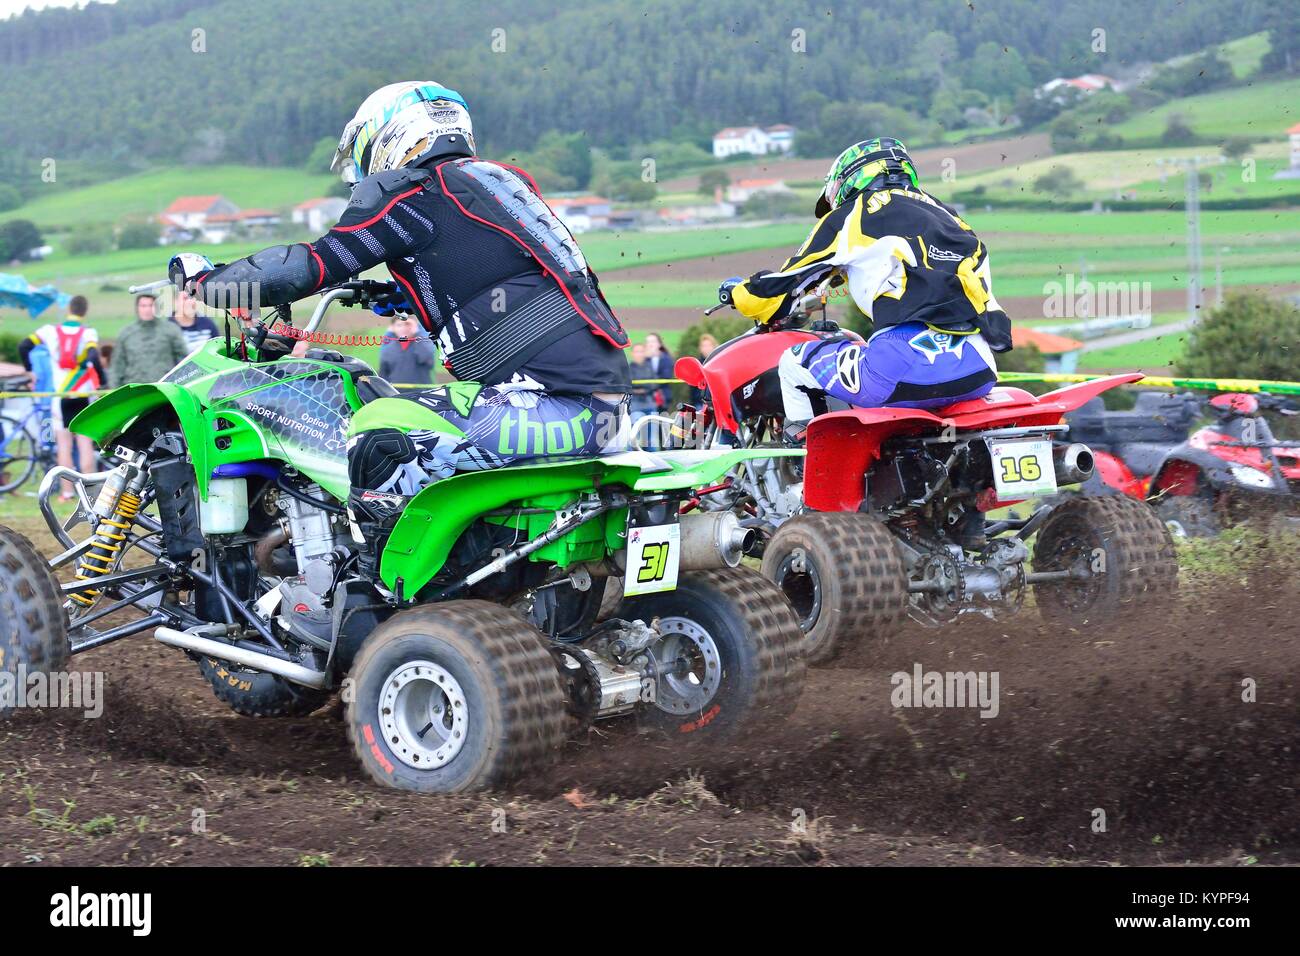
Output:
[[932, 344], [369, 733], [704, 720], [944, 255], [847, 368]]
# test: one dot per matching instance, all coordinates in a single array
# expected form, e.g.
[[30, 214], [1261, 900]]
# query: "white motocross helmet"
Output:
[[397, 124]]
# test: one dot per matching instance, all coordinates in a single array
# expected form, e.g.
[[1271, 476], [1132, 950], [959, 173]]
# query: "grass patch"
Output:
[[1237, 552], [60, 207], [1152, 355], [1261, 110]]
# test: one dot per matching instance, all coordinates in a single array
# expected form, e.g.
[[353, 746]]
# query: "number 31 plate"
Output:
[[1022, 469], [653, 553]]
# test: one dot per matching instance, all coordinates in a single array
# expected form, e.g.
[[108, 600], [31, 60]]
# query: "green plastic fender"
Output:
[[436, 517], [106, 419], [698, 468], [401, 414]]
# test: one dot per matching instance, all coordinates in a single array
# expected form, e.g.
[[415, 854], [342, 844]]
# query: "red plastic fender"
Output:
[[843, 446]]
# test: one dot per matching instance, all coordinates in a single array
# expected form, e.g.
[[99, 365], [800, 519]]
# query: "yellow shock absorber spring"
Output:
[[106, 549]]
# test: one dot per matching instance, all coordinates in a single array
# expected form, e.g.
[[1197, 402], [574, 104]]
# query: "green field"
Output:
[[608, 251], [1262, 110], [1242, 54], [1156, 356], [149, 193], [1029, 250], [1113, 176], [1149, 225]]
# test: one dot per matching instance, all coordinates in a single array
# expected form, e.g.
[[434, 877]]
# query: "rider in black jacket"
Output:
[[492, 274]]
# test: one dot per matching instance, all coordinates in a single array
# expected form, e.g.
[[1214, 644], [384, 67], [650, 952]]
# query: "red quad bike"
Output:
[[894, 512], [1198, 481]]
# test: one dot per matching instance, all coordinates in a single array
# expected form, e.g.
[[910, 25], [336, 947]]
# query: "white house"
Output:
[[756, 140], [582, 213], [1086, 84], [742, 189], [1292, 171], [782, 137], [252, 223], [318, 215], [695, 215], [191, 212]]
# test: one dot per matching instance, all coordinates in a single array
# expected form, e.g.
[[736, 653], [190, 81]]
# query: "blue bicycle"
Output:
[[26, 441]]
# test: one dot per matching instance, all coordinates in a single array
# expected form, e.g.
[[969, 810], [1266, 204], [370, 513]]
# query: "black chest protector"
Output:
[[499, 198]]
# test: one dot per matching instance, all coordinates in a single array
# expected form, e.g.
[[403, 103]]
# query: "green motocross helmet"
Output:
[[857, 166]]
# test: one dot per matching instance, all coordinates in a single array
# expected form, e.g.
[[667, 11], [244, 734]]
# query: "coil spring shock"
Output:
[[106, 550]]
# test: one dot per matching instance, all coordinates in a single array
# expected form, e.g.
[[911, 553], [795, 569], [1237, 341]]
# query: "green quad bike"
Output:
[[224, 526]]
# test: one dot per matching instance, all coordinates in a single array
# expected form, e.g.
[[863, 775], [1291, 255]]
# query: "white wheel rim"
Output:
[[680, 689], [423, 715]]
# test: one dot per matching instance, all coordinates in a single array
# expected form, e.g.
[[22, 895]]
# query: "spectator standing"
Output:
[[642, 402], [705, 348], [196, 328], [661, 366], [147, 349], [408, 354], [74, 354]]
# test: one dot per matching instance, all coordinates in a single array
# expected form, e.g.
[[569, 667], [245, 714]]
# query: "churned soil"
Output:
[[1142, 725]]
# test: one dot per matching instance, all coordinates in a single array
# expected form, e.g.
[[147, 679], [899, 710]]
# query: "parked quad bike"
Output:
[[224, 526], [890, 513], [1201, 481]]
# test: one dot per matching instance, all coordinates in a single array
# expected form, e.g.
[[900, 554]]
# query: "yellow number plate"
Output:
[[653, 554], [1022, 469]]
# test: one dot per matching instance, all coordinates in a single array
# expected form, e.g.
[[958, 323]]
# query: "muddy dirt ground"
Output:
[[1145, 722]]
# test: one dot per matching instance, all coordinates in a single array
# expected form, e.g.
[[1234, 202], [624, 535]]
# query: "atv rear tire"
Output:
[[1189, 516], [738, 644], [33, 626], [843, 575], [257, 694], [1121, 548], [452, 697]]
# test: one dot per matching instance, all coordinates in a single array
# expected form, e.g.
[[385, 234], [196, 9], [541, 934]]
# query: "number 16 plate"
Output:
[[653, 553], [1022, 469]]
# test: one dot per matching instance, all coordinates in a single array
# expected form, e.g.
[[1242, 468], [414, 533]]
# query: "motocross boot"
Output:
[[382, 458], [373, 515], [795, 435]]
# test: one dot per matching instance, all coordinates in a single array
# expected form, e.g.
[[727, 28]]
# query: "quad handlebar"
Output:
[[367, 293], [800, 316]]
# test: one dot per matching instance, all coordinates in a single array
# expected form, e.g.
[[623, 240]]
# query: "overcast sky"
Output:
[[9, 7]]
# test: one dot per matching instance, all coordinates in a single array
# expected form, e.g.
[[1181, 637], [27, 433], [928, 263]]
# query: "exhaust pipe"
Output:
[[714, 539], [1074, 464], [224, 651]]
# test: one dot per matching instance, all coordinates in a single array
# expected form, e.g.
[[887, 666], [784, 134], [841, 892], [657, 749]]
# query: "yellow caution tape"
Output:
[[1157, 381]]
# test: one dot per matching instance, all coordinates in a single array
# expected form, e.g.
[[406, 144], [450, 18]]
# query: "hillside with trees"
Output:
[[206, 81]]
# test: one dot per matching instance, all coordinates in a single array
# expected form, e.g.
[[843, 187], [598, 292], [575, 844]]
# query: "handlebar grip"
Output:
[[149, 286]]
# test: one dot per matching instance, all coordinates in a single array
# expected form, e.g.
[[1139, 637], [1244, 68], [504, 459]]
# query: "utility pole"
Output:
[[1218, 276], [1193, 205], [1191, 166]]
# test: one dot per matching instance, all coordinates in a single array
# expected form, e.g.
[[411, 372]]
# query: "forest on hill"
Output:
[[243, 81]]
